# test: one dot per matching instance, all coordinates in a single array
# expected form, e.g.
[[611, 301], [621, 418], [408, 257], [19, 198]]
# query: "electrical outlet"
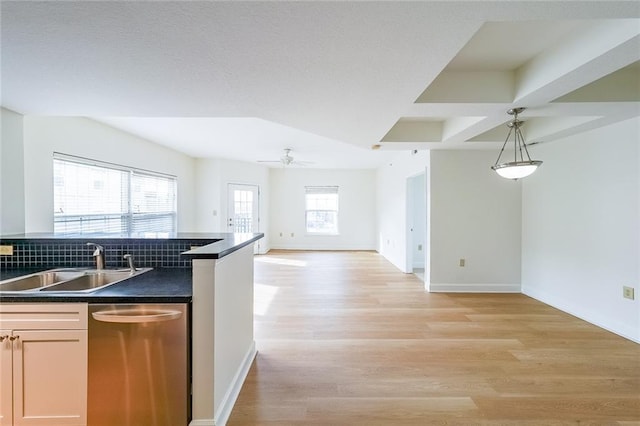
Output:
[[462, 262], [419, 247], [628, 292], [281, 234], [6, 250], [292, 234]]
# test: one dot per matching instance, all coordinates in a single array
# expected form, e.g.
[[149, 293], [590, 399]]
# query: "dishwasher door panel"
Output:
[[138, 365]]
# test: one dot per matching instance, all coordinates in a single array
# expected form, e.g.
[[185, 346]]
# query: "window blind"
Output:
[[92, 197], [321, 209]]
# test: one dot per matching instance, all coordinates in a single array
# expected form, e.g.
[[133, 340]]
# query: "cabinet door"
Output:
[[50, 377], [6, 380]]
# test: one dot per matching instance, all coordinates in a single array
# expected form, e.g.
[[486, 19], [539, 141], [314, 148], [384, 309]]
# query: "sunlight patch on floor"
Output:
[[263, 296], [281, 261]]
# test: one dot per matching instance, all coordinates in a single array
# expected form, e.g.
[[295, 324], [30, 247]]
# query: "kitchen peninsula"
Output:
[[212, 272]]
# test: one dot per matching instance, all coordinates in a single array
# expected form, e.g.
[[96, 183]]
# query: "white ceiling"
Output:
[[244, 80]]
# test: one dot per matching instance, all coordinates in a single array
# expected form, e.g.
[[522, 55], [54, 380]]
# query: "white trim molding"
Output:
[[474, 288], [230, 397], [200, 422], [623, 330]]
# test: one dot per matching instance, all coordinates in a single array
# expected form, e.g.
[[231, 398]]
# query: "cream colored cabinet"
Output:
[[6, 379], [43, 360]]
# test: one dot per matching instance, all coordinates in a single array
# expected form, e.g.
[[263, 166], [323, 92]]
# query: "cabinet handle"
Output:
[[12, 338], [3, 338]]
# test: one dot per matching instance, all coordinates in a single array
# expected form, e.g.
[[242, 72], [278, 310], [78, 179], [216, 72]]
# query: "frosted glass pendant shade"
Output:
[[522, 165], [516, 170]]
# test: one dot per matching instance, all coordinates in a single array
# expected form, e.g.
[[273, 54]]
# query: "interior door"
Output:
[[243, 203]]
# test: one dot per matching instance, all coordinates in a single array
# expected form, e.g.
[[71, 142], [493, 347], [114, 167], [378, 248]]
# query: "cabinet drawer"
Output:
[[43, 316]]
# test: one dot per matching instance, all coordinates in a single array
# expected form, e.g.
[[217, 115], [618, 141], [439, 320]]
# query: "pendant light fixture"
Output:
[[522, 164]]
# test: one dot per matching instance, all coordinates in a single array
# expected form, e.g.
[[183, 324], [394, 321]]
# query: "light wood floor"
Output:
[[346, 339]]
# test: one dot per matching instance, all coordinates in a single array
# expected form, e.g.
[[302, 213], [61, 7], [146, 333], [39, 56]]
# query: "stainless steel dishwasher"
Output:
[[138, 365]]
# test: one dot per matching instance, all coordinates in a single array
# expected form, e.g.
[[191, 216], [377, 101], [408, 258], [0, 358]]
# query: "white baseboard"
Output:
[[230, 397], [623, 330], [207, 422], [474, 288], [333, 247]]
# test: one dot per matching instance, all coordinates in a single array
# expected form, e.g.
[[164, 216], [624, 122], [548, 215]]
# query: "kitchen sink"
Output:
[[93, 280], [37, 281], [68, 280]]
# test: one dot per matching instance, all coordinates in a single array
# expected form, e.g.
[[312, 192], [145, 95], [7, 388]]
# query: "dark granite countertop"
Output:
[[160, 285], [217, 245], [223, 247], [39, 236]]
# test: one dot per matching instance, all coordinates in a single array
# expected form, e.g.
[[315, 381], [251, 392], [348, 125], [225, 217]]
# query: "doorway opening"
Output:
[[416, 256]]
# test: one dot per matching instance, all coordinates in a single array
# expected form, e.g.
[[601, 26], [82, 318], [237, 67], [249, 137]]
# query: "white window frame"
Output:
[[321, 190], [127, 216]]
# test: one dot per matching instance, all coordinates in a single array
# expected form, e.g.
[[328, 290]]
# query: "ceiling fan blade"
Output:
[[287, 160]]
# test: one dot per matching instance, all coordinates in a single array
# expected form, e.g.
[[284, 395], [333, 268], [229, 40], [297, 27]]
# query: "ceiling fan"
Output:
[[287, 160]]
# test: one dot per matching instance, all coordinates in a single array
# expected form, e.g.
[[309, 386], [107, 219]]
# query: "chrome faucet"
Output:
[[98, 254], [130, 260]]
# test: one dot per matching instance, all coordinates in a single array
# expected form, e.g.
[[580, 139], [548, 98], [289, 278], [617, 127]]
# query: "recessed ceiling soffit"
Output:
[[571, 76]]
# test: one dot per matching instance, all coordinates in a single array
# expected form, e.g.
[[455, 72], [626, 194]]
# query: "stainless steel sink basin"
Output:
[[94, 280], [68, 280], [37, 281]]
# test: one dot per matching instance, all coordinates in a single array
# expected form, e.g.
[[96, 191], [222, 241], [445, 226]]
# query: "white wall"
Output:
[[222, 334], [356, 216], [208, 208], [391, 182], [581, 227], [87, 138], [212, 178], [476, 216], [11, 173]]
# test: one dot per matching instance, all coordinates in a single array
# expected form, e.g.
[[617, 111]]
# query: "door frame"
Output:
[[256, 208], [410, 214]]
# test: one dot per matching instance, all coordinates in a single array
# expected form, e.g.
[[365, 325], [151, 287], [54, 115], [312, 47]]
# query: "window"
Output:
[[321, 209], [91, 197]]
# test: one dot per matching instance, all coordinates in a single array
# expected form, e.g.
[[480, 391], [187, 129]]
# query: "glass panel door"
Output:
[[243, 208]]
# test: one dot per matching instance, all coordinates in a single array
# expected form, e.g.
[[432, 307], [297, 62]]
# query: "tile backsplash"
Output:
[[75, 253]]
